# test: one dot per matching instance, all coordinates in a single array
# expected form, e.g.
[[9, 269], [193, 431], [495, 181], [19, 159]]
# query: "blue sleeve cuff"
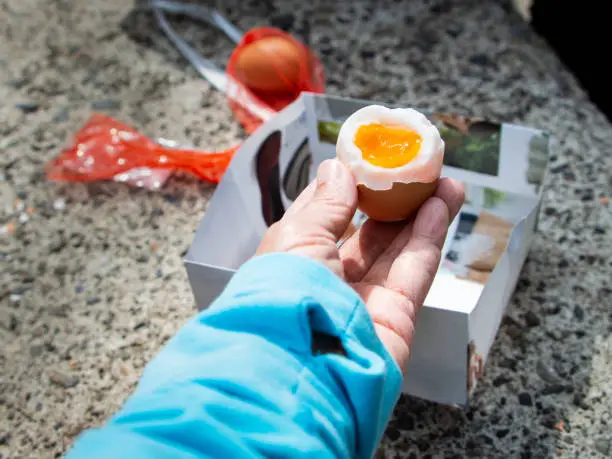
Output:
[[240, 379]]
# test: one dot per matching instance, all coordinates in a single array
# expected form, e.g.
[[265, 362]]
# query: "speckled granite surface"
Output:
[[91, 278]]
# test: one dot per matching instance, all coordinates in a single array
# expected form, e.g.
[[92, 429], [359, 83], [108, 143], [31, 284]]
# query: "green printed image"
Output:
[[328, 131], [492, 198], [475, 149]]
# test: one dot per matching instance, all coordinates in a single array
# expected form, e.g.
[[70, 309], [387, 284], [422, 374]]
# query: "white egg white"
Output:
[[424, 168]]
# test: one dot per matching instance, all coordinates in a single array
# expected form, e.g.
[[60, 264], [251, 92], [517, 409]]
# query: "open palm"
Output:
[[390, 265]]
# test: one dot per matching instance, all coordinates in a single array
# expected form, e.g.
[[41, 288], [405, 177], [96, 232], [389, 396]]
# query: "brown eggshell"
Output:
[[271, 64], [394, 204]]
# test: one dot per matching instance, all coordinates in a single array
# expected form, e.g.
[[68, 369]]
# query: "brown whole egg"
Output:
[[272, 64]]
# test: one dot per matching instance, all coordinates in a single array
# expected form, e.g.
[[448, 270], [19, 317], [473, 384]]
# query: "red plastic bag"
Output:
[[105, 148], [296, 70]]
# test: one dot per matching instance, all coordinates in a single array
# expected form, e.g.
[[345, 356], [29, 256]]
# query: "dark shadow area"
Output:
[[297, 175], [577, 30], [268, 178]]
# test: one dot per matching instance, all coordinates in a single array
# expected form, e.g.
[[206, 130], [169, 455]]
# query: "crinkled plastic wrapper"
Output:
[[106, 149]]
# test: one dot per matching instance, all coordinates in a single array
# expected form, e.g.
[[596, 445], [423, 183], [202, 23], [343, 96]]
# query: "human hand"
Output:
[[390, 265]]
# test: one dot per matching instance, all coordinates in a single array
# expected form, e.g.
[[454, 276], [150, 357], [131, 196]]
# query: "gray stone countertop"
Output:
[[91, 276]]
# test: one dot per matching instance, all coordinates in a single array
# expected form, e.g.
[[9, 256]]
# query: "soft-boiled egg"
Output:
[[395, 156]]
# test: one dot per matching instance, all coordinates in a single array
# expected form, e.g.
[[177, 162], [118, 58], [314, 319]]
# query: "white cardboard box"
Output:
[[502, 167]]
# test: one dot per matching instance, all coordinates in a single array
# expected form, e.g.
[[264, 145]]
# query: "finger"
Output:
[[452, 192], [359, 252], [394, 317], [394, 301], [333, 203], [413, 271], [374, 267], [394, 343], [303, 198]]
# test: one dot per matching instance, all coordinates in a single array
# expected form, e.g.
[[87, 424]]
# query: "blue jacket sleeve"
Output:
[[241, 380]]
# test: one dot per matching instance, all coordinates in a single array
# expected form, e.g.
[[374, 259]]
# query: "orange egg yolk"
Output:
[[387, 145]]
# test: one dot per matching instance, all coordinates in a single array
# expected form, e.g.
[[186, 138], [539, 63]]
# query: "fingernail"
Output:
[[334, 179], [329, 171]]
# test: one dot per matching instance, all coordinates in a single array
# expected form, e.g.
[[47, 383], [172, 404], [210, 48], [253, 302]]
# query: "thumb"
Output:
[[334, 200], [317, 220]]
